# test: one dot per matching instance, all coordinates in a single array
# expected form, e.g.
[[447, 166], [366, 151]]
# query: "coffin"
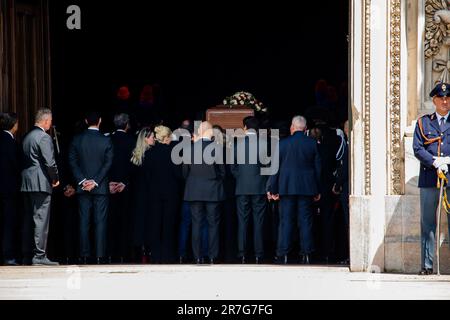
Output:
[[229, 118]]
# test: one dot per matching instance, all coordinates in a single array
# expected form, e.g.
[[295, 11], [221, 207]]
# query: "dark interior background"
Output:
[[197, 53]]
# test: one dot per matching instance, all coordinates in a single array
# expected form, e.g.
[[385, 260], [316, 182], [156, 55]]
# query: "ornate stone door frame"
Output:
[[378, 117]]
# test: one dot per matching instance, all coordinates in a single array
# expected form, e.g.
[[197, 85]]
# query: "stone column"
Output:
[[379, 115]]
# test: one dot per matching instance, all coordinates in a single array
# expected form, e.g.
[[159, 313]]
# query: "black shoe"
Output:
[[259, 260], [306, 259], [426, 272], [11, 263], [198, 261], [83, 261], [282, 260], [242, 259], [43, 261], [213, 261], [181, 260], [102, 261], [27, 262]]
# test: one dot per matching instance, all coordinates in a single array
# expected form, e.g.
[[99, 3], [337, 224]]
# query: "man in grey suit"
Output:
[[251, 196], [90, 157], [204, 191], [39, 177]]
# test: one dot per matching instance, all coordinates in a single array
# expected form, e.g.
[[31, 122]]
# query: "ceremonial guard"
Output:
[[432, 148]]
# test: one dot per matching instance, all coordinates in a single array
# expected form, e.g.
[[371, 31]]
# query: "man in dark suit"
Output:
[[90, 157], [119, 176], [296, 185], [39, 177], [328, 146], [9, 188], [205, 191], [250, 189]]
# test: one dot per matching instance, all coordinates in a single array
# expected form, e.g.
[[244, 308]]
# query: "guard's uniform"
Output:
[[430, 140]]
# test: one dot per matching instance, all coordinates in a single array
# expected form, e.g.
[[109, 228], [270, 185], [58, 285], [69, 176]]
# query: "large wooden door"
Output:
[[24, 59]]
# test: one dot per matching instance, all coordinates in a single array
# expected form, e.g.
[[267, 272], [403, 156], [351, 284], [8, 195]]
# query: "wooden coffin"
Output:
[[229, 118]]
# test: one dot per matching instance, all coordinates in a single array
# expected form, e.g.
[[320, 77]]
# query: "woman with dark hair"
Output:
[[141, 192]]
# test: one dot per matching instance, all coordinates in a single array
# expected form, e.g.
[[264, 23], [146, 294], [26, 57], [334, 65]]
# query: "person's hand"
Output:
[[438, 161], [120, 187], [88, 185], [276, 197], [113, 187], [443, 160], [269, 196], [69, 191], [335, 191], [317, 198], [443, 168], [55, 184]]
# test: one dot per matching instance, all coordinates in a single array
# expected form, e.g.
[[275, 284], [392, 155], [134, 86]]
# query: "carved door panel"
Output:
[[24, 59], [437, 45]]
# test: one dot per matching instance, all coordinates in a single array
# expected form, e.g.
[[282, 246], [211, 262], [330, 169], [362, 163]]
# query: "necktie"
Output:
[[442, 122]]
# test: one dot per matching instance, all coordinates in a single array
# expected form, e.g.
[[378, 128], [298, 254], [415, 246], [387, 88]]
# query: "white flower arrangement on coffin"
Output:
[[245, 99]]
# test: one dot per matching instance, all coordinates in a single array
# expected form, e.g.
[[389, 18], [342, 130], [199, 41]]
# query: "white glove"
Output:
[[443, 168], [437, 162], [446, 160]]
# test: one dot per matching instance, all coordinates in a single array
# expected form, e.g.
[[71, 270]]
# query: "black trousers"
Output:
[[163, 230], [210, 210], [295, 209], [99, 204], [119, 226], [251, 206], [71, 226], [228, 231], [8, 213], [328, 220], [36, 224]]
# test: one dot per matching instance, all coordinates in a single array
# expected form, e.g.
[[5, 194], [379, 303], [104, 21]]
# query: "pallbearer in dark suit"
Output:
[[90, 157], [39, 177], [250, 190], [432, 148], [9, 187], [119, 218], [296, 185], [205, 192]]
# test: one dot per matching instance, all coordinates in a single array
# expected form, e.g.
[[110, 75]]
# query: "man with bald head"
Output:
[[204, 191], [296, 185]]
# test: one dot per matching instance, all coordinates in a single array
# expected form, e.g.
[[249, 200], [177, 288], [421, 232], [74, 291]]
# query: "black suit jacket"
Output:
[[121, 167], [328, 150], [90, 157], [163, 177], [343, 169], [9, 164], [249, 180], [300, 167], [204, 182]]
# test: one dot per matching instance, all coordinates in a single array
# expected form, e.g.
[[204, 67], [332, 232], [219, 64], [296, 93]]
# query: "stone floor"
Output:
[[214, 283]]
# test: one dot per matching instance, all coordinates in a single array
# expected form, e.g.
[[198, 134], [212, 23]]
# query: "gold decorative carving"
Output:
[[437, 26], [396, 159], [367, 97]]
